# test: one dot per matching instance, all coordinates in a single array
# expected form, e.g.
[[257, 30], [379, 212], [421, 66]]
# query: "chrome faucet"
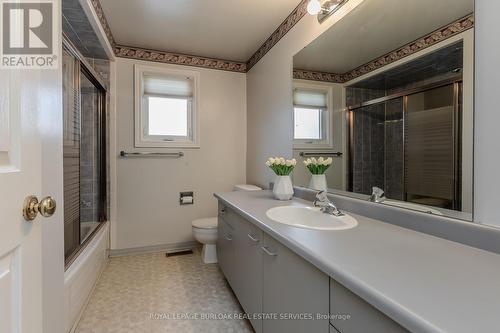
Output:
[[326, 205], [378, 195]]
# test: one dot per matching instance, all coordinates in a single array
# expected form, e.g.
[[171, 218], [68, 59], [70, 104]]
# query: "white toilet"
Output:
[[205, 230]]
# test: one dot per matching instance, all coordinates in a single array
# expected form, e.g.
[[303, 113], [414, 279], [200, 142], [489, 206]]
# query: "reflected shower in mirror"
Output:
[[387, 93]]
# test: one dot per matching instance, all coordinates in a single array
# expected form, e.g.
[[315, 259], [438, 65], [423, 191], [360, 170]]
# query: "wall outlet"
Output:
[[186, 198]]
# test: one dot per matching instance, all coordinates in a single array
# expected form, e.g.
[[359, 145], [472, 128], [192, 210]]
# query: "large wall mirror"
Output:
[[386, 93]]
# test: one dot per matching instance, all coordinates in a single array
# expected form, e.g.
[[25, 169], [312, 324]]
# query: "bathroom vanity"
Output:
[[375, 277]]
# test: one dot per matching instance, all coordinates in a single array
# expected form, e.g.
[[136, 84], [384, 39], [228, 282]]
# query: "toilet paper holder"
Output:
[[186, 198]]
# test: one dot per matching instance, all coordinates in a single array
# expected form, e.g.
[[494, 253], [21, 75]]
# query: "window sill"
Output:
[[312, 146]]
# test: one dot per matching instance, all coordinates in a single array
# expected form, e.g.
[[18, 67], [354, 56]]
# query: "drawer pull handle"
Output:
[[252, 238], [226, 236], [266, 250]]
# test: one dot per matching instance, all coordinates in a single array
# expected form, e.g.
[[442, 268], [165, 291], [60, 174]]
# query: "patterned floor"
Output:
[[151, 293]]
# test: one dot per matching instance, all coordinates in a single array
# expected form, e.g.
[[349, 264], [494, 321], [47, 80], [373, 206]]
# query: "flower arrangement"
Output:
[[318, 166], [280, 166]]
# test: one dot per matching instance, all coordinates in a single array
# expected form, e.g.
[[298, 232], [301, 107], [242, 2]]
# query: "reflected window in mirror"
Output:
[[311, 111], [402, 85]]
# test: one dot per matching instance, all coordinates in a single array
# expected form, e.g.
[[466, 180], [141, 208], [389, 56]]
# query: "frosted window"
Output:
[[167, 116], [166, 112], [307, 124]]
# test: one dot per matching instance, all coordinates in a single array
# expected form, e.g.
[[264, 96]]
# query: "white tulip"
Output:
[[268, 163], [306, 163], [282, 160], [313, 160], [288, 163], [320, 160], [329, 160], [294, 162], [271, 160]]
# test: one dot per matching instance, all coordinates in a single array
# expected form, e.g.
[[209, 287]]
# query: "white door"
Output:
[[31, 253]]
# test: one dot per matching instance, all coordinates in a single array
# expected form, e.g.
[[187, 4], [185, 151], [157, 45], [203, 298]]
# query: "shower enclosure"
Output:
[[84, 151], [405, 131], [409, 144]]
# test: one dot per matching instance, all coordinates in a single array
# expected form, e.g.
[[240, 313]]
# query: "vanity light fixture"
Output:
[[325, 10], [313, 7]]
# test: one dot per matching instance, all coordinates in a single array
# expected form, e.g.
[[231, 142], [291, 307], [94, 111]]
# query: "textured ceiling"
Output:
[[221, 29]]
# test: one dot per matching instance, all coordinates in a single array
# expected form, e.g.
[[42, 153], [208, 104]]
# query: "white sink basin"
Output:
[[310, 218]]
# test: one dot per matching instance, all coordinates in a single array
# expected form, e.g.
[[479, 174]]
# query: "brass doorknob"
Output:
[[46, 207]]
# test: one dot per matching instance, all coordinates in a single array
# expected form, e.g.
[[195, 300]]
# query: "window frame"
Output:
[[326, 121], [141, 111]]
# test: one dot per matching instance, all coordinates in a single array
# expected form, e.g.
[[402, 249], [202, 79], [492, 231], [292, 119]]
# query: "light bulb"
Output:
[[313, 7]]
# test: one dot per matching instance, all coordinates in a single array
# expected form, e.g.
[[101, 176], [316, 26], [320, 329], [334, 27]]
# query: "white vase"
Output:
[[283, 189], [318, 182]]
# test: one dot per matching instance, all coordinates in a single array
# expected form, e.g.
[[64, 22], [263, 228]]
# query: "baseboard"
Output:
[[153, 249]]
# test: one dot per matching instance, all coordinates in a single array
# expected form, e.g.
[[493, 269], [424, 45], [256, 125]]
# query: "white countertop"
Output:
[[425, 283]]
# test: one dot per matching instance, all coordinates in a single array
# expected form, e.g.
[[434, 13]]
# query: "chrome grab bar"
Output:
[[309, 154], [226, 236], [151, 154]]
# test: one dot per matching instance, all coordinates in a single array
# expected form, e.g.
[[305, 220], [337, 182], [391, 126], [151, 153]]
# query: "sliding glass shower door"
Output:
[[432, 147], [84, 153], [409, 145]]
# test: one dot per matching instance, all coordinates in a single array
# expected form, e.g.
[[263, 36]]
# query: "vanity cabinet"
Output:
[[269, 278], [273, 284]]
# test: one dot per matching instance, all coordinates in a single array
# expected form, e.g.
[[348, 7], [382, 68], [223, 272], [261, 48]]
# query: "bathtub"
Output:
[[83, 273]]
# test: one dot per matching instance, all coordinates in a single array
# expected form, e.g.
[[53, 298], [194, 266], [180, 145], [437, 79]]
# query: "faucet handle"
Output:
[[378, 192], [322, 196]]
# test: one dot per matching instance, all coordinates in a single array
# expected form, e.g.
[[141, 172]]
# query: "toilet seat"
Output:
[[205, 223]]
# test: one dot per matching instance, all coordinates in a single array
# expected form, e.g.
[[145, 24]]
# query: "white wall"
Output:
[[147, 191], [269, 101], [269, 96]]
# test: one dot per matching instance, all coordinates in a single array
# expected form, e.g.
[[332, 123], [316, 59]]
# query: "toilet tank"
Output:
[[246, 187]]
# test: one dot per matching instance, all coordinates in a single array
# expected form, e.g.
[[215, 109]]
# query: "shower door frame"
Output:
[[456, 81], [84, 68]]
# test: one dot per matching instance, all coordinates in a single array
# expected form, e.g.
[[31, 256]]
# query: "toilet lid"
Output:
[[206, 223]]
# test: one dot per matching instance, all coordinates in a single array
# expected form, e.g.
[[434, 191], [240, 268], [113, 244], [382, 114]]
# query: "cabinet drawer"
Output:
[[363, 316], [223, 214], [226, 254]]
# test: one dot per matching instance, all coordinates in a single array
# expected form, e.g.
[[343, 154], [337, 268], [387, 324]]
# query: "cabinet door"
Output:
[[226, 254], [292, 287], [248, 249]]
